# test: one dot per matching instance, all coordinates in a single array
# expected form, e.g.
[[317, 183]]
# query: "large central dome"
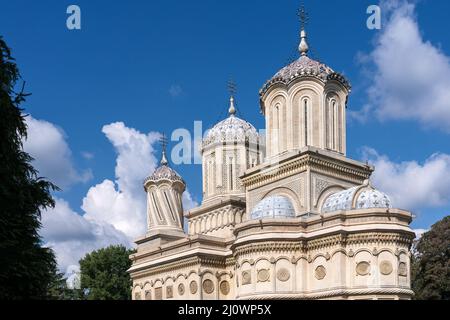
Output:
[[304, 67]]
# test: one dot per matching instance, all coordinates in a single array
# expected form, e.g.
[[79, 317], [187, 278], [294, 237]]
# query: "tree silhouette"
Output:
[[431, 263], [27, 269]]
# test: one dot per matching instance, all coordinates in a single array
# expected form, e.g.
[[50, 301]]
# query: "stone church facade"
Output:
[[284, 216]]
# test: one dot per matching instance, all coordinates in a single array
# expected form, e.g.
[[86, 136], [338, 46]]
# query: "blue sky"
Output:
[[161, 65]]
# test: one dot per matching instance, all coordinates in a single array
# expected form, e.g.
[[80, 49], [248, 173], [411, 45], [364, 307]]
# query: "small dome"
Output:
[[230, 130], [165, 172], [304, 67], [273, 207], [367, 197]]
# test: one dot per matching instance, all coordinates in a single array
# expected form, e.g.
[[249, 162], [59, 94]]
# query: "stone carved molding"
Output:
[[193, 287], [137, 296], [320, 272], [263, 275], [363, 268], [318, 164], [208, 286], [283, 274], [216, 220], [332, 293]]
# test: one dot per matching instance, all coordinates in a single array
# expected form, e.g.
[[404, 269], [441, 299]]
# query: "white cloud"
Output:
[[412, 185], [71, 235], [87, 155], [114, 212], [46, 143], [123, 203], [419, 233], [411, 76], [175, 90]]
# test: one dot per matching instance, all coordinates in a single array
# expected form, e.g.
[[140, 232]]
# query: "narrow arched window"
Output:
[[231, 174], [333, 124], [306, 120]]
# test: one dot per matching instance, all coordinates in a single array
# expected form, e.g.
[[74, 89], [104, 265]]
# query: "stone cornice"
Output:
[[208, 207], [324, 222], [195, 241], [314, 160], [302, 245], [191, 261]]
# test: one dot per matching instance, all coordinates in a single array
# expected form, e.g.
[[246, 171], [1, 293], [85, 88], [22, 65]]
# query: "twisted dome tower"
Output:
[[164, 189]]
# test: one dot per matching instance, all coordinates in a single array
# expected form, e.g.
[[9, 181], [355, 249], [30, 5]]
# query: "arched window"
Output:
[[333, 126], [231, 173], [306, 115]]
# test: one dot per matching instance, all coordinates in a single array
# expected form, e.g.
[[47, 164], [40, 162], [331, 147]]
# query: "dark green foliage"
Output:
[[26, 269], [431, 263], [104, 274]]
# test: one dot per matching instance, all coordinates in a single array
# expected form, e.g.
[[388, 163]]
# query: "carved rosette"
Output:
[[169, 292], [246, 277], [193, 287], [283, 275], [363, 268], [320, 272], [181, 289], [386, 267], [208, 286], [263, 275], [224, 287]]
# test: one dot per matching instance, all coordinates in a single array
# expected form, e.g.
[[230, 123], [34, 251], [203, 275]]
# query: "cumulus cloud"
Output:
[[47, 144], [71, 235], [114, 212], [412, 185], [410, 75], [122, 202]]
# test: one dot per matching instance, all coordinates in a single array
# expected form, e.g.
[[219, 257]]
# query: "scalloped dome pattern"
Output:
[[273, 207], [230, 130]]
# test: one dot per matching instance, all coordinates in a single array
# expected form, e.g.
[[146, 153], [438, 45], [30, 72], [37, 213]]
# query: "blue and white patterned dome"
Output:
[[273, 207], [367, 197], [231, 130]]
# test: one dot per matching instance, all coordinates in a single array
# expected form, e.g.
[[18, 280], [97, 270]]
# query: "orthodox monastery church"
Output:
[[285, 216]]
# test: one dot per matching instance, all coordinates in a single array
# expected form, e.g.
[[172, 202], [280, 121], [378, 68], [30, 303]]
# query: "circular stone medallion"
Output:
[[193, 287], [224, 287], [385, 267], [363, 268], [263, 275], [208, 286], [283, 274], [181, 289], [320, 272]]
